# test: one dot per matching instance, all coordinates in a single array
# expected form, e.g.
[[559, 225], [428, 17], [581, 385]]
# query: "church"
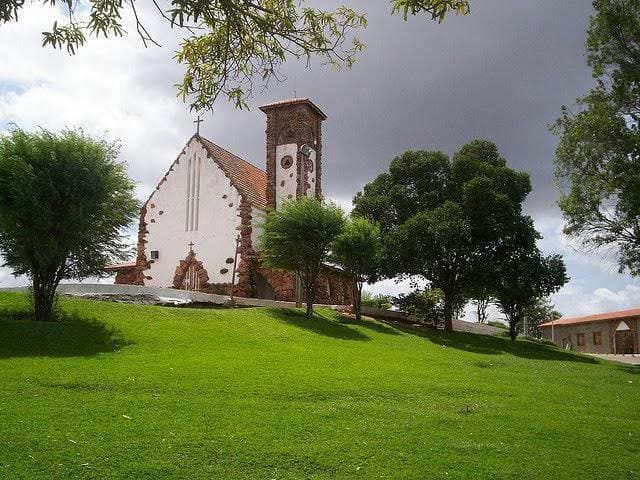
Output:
[[199, 229]]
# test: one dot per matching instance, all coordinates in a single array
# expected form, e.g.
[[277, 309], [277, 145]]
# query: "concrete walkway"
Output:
[[172, 295], [628, 359]]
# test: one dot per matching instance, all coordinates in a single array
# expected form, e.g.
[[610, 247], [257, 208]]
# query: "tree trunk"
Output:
[[43, 297], [512, 329], [481, 309], [311, 296], [357, 300], [448, 311]]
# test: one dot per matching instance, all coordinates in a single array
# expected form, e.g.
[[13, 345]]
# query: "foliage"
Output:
[[524, 276], [598, 154], [64, 200], [383, 302], [425, 305], [297, 237], [540, 311], [443, 221], [228, 44], [241, 393], [437, 9], [357, 251]]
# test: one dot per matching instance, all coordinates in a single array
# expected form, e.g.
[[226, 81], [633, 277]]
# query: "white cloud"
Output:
[[576, 299]]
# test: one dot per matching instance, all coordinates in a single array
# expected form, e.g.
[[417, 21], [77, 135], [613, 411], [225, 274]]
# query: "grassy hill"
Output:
[[128, 391]]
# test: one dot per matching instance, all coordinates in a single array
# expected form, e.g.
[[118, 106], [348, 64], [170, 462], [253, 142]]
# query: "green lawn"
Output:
[[137, 392]]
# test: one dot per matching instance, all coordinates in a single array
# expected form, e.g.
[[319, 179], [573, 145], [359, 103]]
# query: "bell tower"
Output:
[[294, 150]]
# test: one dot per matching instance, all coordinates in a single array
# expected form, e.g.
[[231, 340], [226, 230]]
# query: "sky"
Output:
[[500, 73]]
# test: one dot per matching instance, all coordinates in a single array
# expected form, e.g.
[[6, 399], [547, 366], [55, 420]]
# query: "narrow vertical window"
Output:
[[186, 224], [197, 194], [193, 188]]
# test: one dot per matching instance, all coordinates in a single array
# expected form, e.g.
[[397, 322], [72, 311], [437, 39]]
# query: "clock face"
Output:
[[286, 162]]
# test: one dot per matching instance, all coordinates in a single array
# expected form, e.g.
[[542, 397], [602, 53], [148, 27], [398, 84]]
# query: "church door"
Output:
[[191, 279], [190, 274]]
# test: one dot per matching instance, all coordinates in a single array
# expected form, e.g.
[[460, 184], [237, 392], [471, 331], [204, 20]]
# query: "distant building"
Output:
[[613, 332]]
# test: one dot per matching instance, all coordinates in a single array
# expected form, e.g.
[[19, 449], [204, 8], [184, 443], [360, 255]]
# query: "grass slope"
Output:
[[128, 391]]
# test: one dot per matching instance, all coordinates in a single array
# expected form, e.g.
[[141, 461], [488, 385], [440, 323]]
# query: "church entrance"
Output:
[[623, 339], [190, 274], [263, 288], [191, 280], [624, 342]]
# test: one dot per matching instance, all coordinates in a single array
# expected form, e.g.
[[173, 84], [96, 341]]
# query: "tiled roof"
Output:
[[599, 317], [120, 266], [293, 101], [247, 178]]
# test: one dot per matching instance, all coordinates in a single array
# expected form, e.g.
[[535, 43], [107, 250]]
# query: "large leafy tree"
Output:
[[523, 281], [442, 220], [228, 44], [64, 200], [598, 155], [357, 251], [297, 238], [522, 274]]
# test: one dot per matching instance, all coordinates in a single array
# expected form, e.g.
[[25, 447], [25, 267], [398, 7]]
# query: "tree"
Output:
[[64, 199], [228, 44], [297, 238], [444, 220], [598, 155], [436, 245], [482, 301], [383, 302], [425, 305], [540, 311], [524, 275], [357, 251]]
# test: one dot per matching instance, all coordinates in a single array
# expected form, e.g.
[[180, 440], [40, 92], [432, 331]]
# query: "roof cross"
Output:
[[190, 246], [198, 122]]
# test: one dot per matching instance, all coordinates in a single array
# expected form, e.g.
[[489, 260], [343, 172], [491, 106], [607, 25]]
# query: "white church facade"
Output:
[[203, 218]]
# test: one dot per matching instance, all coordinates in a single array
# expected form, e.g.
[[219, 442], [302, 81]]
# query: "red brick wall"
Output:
[[332, 287]]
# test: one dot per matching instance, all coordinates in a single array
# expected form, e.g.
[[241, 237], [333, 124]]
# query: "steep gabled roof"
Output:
[[599, 317], [250, 181]]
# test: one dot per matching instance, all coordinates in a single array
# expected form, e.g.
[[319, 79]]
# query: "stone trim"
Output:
[[303, 123], [247, 262], [183, 267], [633, 328]]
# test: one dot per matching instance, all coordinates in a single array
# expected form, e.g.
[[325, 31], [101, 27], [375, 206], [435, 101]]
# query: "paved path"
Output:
[[629, 359]]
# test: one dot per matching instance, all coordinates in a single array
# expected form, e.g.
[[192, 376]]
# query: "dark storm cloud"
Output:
[[500, 73]]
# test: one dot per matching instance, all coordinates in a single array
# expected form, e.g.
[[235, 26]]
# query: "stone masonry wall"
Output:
[[296, 123], [332, 287]]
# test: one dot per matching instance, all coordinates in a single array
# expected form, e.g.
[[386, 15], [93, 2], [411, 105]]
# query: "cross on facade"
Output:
[[198, 122], [191, 246]]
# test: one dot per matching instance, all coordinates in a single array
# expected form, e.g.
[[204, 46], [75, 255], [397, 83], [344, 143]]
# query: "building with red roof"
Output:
[[611, 332], [199, 229]]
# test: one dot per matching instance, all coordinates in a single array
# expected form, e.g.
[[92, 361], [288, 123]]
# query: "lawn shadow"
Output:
[[73, 336], [320, 324], [493, 345], [632, 369], [372, 325]]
